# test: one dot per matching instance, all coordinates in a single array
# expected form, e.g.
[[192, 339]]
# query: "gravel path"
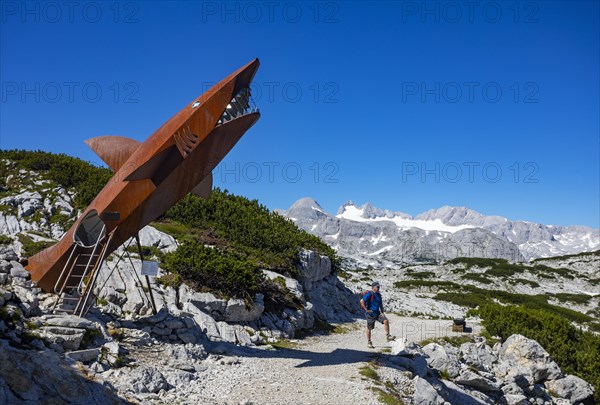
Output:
[[322, 369]]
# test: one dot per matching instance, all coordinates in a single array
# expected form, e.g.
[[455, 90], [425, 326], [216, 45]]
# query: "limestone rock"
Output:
[[472, 379], [237, 311], [425, 394], [571, 387], [42, 377], [312, 267], [478, 355], [528, 358], [442, 358], [150, 236], [142, 379]]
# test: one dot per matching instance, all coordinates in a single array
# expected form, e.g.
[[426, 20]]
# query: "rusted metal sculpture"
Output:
[[150, 177]]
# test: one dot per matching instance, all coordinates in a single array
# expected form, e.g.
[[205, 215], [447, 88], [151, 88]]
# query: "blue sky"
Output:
[[408, 105]]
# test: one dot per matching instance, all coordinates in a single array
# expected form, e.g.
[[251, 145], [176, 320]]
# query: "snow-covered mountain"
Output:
[[370, 235]]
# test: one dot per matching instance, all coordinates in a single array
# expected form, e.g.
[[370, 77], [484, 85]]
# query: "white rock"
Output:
[[312, 267], [425, 394], [528, 358], [442, 358], [150, 236], [399, 346], [237, 311], [571, 387]]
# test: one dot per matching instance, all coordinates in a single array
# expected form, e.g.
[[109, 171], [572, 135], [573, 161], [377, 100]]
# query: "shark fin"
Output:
[[204, 188], [113, 150]]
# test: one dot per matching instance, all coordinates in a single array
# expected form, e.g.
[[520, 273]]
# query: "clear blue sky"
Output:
[[407, 105]]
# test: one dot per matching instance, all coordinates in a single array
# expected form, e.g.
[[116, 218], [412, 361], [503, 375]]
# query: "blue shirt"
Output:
[[373, 302]]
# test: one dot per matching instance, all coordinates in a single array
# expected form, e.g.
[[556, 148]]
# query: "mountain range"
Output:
[[367, 235]]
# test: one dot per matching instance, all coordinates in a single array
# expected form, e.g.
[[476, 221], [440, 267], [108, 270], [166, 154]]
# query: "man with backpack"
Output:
[[372, 304]]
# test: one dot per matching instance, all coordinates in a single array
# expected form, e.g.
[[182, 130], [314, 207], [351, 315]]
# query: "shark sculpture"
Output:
[[149, 177]]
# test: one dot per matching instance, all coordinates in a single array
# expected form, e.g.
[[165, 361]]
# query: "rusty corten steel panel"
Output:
[[150, 177]]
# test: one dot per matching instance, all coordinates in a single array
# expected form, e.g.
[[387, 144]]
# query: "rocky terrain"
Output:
[[185, 356], [368, 235], [200, 348]]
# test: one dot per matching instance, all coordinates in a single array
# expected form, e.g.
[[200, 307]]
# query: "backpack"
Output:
[[368, 300]]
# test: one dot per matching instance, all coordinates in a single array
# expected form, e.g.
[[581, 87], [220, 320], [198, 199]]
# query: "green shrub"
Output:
[[214, 269], [471, 296], [5, 240], [577, 255], [30, 247], [404, 284], [575, 298], [530, 283], [561, 271], [576, 352], [481, 278], [422, 274], [65, 170], [261, 235]]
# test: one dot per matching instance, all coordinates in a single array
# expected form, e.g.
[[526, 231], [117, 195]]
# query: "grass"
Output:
[[367, 372], [388, 397], [284, 344]]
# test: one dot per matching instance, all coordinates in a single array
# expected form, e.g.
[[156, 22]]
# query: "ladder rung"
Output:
[[69, 298]]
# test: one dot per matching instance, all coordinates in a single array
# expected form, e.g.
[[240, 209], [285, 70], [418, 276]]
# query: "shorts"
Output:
[[372, 319]]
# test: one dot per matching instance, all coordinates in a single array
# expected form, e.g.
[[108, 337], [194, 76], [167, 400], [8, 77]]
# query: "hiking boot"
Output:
[[390, 338], [370, 345]]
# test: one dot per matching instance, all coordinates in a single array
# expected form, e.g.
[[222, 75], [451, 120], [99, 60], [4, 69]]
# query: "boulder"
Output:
[[139, 380], [43, 377], [67, 338], [206, 323], [83, 356], [206, 302], [515, 399], [238, 311], [291, 284], [399, 346], [528, 358], [472, 379], [425, 394], [17, 270], [312, 267], [478, 355], [442, 358], [68, 321], [150, 236], [571, 387]]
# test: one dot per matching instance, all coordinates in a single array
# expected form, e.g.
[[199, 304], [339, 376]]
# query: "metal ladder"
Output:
[[75, 284]]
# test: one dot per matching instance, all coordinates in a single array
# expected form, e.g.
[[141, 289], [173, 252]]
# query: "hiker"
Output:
[[372, 304]]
